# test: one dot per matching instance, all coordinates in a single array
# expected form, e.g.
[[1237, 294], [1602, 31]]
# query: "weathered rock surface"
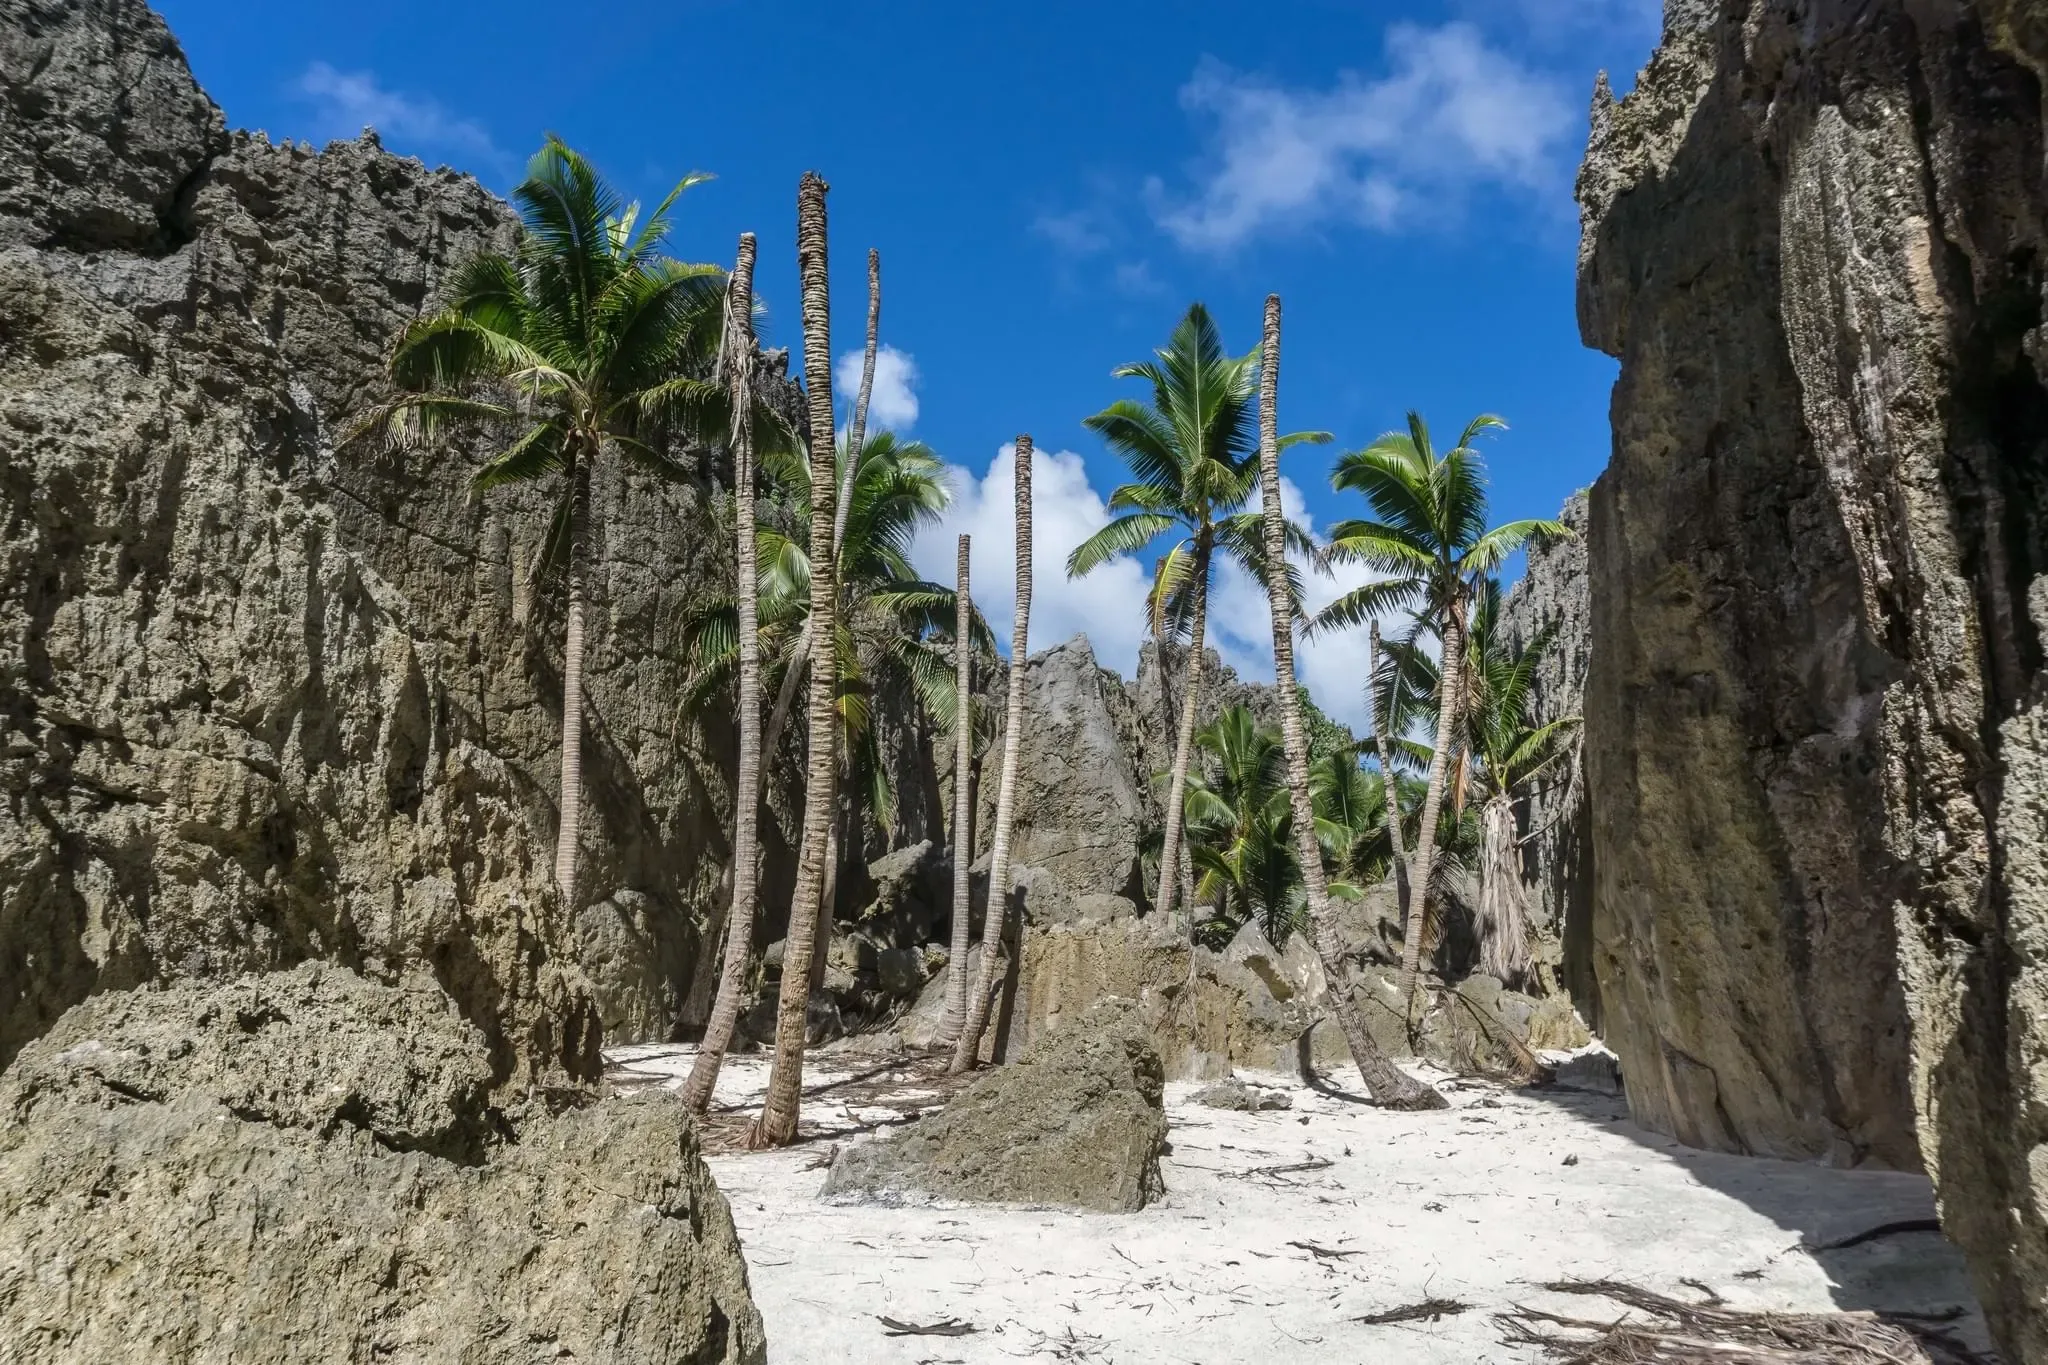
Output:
[[1076, 1122], [302, 1167], [266, 697], [1082, 803], [1814, 236], [1232, 1093], [1553, 596]]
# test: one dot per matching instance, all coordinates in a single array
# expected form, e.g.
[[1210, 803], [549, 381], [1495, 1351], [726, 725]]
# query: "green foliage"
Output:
[[585, 341], [1194, 455], [896, 628], [1428, 535]]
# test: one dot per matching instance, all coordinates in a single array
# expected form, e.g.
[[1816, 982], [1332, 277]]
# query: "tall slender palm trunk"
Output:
[[1503, 899], [1396, 845], [776, 1125], [737, 355], [955, 1016], [1387, 1083], [1422, 872], [570, 826], [1184, 741], [968, 1045]]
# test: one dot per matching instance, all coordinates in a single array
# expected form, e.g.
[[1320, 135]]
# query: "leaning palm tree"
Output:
[[967, 1047], [1428, 535], [1195, 456], [585, 344], [776, 1125], [1387, 1083], [736, 367]]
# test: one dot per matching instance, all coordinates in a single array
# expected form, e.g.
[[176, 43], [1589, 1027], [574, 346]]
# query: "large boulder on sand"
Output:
[[304, 1167], [1077, 1121]]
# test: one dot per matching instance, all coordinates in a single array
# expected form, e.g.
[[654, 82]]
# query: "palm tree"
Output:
[[1429, 536], [1239, 817], [1196, 460], [736, 362], [776, 1125], [968, 1044], [588, 344], [963, 800], [1505, 748], [1387, 1083]]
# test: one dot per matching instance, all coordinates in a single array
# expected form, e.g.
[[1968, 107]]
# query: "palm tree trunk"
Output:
[[856, 437], [1385, 1082], [571, 823], [1396, 845], [963, 800], [1184, 741], [777, 1124], [739, 928], [968, 1044], [1423, 871], [1503, 900]]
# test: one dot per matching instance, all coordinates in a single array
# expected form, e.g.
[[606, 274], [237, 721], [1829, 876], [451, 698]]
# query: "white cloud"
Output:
[[893, 404], [1078, 232], [346, 102], [1451, 113], [1108, 606]]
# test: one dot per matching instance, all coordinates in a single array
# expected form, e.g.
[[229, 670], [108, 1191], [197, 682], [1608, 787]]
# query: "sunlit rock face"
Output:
[[1814, 237]]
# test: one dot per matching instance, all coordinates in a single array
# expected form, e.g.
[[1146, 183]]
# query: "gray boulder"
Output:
[[1076, 1122], [303, 1167], [1232, 1093]]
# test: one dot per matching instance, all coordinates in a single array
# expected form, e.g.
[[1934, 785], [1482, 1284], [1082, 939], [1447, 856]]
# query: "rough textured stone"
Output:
[[1082, 806], [1232, 1093], [1076, 1122], [1557, 861], [268, 697], [301, 1168], [1814, 237]]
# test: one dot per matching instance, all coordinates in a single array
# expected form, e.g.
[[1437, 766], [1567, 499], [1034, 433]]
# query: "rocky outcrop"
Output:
[[1815, 237], [1075, 1122], [267, 697], [303, 1166], [1082, 801], [1553, 597]]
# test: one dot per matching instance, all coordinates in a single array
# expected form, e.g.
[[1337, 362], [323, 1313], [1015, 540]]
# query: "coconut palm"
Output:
[[585, 344], [1387, 1083], [1195, 455], [967, 1046], [1239, 819], [1428, 536], [736, 367], [776, 1124], [963, 797], [1506, 750]]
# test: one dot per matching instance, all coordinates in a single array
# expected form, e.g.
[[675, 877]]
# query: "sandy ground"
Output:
[[1241, 1263]]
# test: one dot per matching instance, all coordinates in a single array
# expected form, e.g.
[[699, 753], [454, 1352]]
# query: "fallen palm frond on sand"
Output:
[[1658, 1330]]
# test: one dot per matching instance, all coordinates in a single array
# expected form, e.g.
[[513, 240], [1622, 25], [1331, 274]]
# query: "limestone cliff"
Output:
[[264, 699], [1815, 237]]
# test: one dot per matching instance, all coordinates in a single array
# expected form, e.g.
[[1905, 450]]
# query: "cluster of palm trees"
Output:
[[586, 344]]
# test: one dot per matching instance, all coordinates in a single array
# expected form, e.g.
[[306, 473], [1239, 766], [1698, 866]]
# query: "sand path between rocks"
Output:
[[1244, 1263]]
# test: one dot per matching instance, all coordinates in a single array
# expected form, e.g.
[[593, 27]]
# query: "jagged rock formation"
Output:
[[1078, 1122], [1557, 861], [1815, 237], [267, 697], [304, 1166]]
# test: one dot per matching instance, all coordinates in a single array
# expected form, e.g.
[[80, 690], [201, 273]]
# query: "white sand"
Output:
[[1478, 1204]]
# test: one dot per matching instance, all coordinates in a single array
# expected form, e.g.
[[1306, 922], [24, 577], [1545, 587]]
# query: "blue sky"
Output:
[[1050, 185]]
